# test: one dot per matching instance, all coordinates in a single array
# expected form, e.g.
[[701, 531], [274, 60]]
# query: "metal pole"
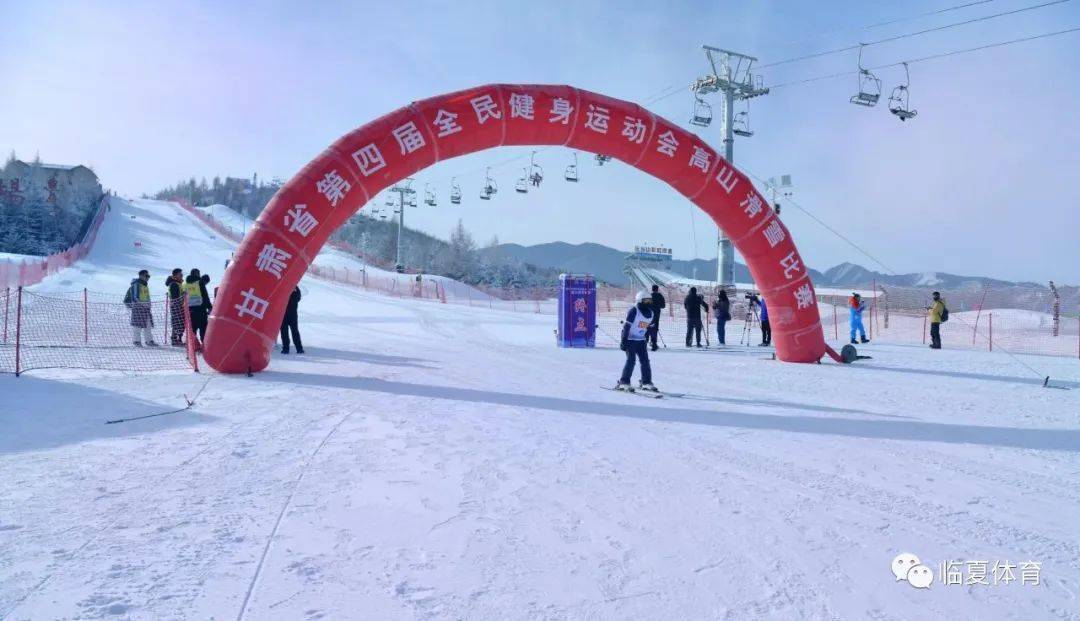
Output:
[[991, 339], [401, 224], [18, 331], [7, 304], [725, 251], [85, 320]]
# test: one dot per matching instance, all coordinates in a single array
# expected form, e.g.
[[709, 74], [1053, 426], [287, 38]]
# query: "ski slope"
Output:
[[439, 461], [331, 258]]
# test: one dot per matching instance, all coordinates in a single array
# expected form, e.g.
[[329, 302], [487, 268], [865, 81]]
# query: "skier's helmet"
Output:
[[642, 296]]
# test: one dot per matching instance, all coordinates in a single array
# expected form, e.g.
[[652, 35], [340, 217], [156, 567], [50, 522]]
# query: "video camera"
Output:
[[751, 296]]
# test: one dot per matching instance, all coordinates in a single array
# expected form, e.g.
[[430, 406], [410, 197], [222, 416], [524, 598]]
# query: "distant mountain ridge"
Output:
[[606, 264]]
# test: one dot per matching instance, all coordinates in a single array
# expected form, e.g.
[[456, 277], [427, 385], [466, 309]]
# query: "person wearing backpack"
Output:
[[137, 299], [939, 314]]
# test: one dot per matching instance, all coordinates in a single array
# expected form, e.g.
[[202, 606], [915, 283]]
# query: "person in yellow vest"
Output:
[[938, 314], [137, 299], [198, 301]]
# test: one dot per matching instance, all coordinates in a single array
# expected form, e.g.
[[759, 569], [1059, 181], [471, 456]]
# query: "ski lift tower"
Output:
[[405, 193], [731, 78]]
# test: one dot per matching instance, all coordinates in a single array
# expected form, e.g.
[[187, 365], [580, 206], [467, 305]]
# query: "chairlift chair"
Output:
[[898, 101], [702, 115], [429, 196], [571, 173], [455, 192], [490, 187], [741, 125], [522, 185], [536, 171], [601, 159], [869, 86]]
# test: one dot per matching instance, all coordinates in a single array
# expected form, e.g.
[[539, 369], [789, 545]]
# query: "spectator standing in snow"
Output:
[[658, 304], [635, 333], [291, 323], [937, 314], [693, 305], [856, 306], [722, 308], [137, 300], [199, 306], [175, 285], [766, 329]]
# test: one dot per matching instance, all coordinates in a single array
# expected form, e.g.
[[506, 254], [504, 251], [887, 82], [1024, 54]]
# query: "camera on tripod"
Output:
[[751, 296]]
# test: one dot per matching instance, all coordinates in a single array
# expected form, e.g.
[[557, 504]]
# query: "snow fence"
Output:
[[85, 330]]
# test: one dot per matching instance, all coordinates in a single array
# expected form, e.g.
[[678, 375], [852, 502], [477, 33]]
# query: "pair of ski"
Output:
[[650, 394]]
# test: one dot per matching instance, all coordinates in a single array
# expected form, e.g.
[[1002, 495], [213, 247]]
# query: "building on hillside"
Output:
[[74, 187]]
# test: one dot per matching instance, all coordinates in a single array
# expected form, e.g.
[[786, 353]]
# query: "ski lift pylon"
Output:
[[455, 192], [869, 86], [571, 170], [898, 101]]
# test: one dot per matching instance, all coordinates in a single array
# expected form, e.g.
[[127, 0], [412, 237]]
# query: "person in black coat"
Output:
[[658, 304], [723, 314], [175, 285], [693, 305], [199, 305], [290, 323]]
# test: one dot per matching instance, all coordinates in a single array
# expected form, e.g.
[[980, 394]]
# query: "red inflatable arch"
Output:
[[290, 231]]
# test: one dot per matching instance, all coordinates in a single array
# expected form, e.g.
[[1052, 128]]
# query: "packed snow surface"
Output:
[[427, 460]]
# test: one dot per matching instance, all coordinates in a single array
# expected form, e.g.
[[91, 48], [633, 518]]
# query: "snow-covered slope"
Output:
[[439, 461], [333, 258], [143, 234]]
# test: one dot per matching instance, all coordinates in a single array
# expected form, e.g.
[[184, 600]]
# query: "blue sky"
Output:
[[978, 183]]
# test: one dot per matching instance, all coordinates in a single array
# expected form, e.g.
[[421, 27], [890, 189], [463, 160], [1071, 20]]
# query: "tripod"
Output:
[[748, 323]]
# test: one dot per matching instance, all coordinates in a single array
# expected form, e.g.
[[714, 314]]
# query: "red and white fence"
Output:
[[85, 330]]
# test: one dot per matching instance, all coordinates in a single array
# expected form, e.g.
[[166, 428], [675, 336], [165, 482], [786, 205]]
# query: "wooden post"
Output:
[[924, 329], [835, 323], [873, 308]]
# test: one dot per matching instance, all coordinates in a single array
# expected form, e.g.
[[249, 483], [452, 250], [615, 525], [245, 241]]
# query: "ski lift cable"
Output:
[[891, 271], [887, 22], [912, 61], [913, 34]]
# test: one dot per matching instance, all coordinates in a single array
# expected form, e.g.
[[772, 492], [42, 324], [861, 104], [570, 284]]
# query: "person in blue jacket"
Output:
[[856, 306], [635, 332], [766, 329]]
